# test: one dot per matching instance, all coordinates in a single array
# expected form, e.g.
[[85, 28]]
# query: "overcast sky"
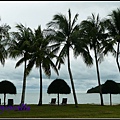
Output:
[[34, 13]]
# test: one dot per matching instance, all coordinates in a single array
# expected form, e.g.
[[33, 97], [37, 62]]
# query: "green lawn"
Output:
[[67, 111]]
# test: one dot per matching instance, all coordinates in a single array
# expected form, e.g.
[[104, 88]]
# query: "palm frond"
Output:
[[69, 14], [87, 58], [60, 61], [61, 56], [30, 66], [82, 49], [53, 65], [46, 67], [74, 20], [3, 56], [20, 62]]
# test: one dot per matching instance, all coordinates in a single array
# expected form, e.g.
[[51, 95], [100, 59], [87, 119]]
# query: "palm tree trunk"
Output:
[[117, 57], [40, 99], [24, 84], [98, 75], [71, 78]]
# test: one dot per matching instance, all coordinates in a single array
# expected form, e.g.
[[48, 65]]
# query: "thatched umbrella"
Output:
[[7, 87], [109, 86], [58, 86]]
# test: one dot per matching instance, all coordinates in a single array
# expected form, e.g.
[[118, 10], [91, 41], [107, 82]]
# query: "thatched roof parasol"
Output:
[[7, 87], [58, 86], [109, 86]]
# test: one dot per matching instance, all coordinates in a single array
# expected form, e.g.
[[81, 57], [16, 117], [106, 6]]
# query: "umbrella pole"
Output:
[[110, 99], [4, 98], [58, 99]]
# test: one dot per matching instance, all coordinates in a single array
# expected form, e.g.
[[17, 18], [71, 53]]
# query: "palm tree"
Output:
[[66, 36], [94, 31], [19, 46], [4, 36], [112, 25], [41, 56]]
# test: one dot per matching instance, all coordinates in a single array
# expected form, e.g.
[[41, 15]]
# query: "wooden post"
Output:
[[110, 99], [4, 98], [58, 99]]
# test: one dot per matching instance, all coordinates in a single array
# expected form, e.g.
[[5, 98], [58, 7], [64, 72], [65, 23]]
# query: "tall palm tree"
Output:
[[94, 31], [113, 27], [19, 46], [41, 56], [66, 36]]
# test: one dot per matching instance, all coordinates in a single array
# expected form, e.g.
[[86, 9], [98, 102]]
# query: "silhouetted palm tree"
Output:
[[94, 31], [4, 37], [113, 26], [19, 46], [65, 33], [41, 56]]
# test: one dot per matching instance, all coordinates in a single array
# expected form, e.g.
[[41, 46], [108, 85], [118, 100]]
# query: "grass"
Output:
[[67, 111]]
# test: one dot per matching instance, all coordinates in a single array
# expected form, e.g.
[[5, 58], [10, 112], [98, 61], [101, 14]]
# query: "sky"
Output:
[[34, 13]]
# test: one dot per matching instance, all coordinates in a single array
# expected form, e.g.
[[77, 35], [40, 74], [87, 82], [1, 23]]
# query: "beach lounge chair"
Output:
[[64, 101], [53, 101], [10, 102]]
